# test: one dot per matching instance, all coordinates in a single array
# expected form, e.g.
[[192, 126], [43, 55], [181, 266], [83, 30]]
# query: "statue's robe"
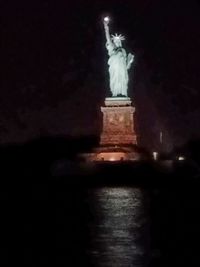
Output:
[[117, 69]]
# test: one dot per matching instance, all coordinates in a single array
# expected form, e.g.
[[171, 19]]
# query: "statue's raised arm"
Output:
[[107, 31]]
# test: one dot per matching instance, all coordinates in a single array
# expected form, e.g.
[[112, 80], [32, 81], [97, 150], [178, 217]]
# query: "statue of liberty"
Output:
[[119, 62]]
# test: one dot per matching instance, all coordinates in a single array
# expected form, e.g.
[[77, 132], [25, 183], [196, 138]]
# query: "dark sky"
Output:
[[54, 70]]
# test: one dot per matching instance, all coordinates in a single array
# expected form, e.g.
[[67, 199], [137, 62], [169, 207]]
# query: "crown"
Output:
[[118, 37]]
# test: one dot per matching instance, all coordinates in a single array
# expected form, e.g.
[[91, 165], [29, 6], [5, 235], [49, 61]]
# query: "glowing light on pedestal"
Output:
[[112, 159], [112, 156]]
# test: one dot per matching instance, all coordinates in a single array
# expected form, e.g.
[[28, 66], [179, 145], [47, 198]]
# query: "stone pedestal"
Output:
[[118, 122], [118, 141]]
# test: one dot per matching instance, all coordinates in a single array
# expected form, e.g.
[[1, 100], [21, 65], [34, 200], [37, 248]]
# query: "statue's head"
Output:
[[117, 39]]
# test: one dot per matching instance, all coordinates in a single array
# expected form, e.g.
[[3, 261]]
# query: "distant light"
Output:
[[181, 158], [106, 19], [161, 137], [155, 155]]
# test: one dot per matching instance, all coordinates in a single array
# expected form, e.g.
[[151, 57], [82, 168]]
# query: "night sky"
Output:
[[54, 67]]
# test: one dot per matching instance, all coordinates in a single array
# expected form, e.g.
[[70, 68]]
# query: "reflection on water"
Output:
[[119, 232]]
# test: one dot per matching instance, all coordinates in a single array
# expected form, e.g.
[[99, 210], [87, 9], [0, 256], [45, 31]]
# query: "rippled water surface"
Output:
[[86, 226], [119, 229]]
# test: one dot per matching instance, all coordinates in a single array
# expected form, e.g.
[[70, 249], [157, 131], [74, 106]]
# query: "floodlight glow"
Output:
[[181, 158]]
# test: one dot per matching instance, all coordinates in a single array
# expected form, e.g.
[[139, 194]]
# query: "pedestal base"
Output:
[[118, 122], [118, 138]]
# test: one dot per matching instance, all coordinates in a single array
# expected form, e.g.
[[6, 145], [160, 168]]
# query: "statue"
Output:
[[119, 62]]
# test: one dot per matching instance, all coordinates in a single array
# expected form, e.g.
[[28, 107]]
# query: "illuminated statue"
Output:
[[118, 62]]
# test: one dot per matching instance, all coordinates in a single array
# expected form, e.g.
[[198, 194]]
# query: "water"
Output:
[[76, 217], [74, 225], [119, 230], [70, 225]]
